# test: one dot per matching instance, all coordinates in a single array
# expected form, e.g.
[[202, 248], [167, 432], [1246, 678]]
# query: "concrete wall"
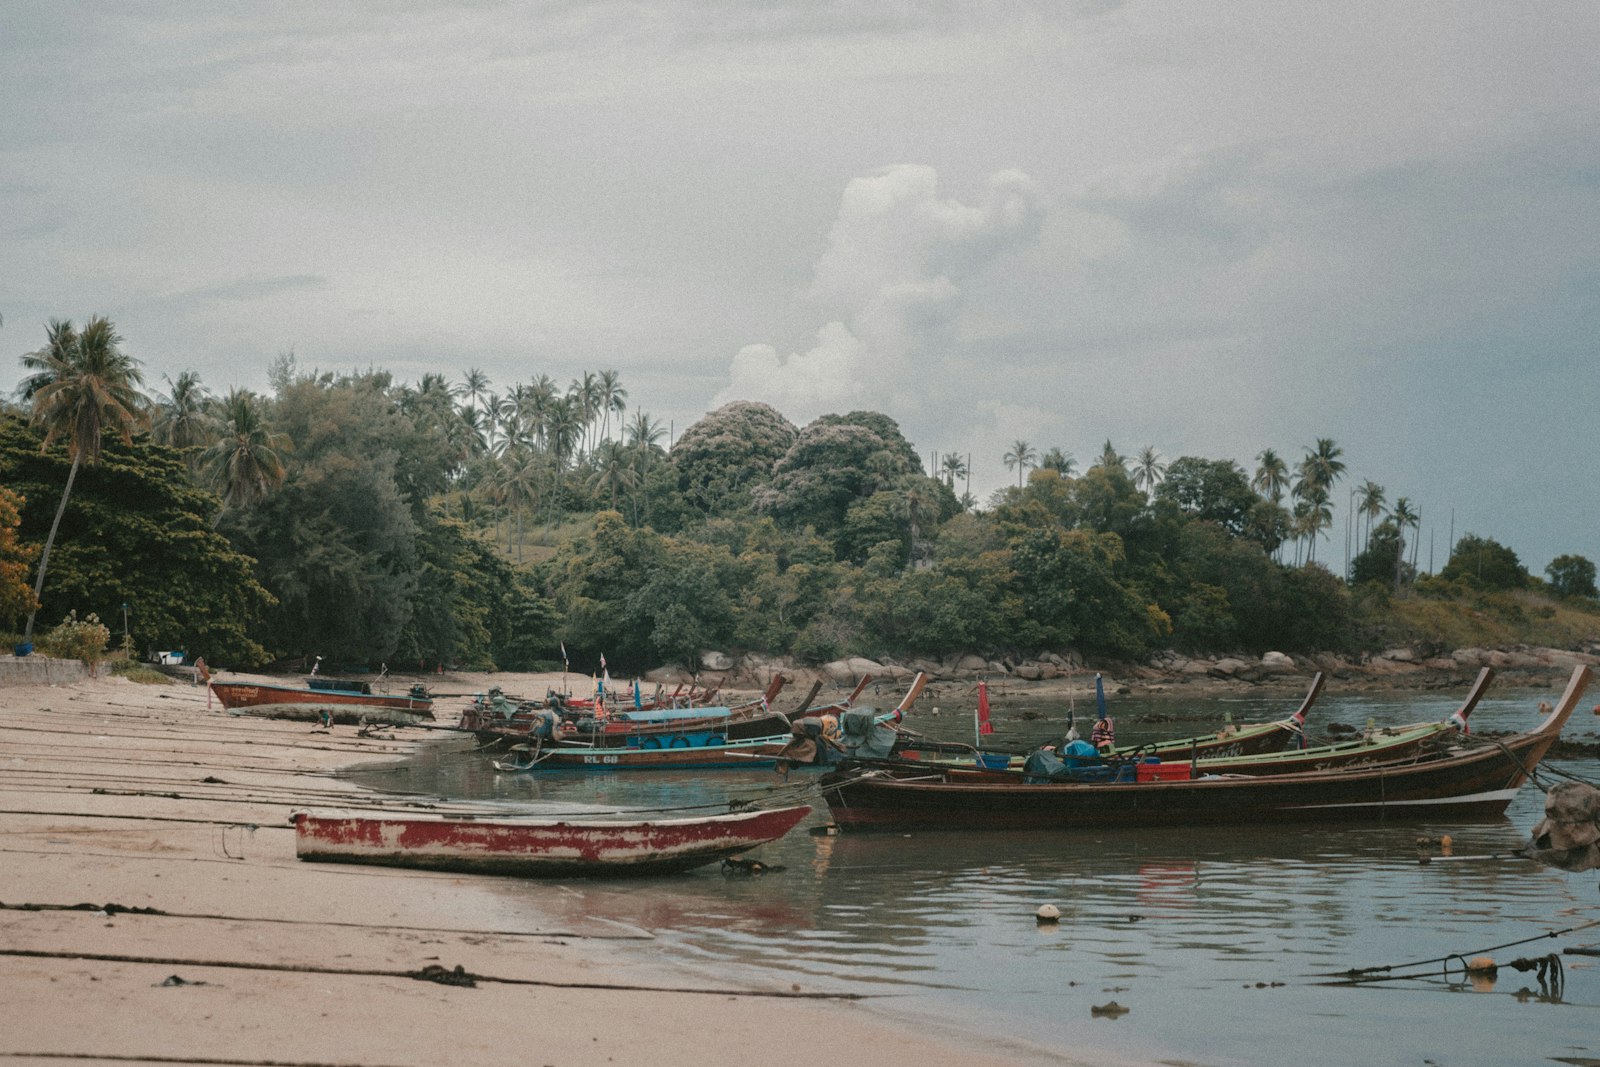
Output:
[[41, 670]]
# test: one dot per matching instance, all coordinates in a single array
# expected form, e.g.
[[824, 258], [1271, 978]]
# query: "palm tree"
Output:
[[612, 397], [181, 418], [613, 471], [83, 387], [1272, 475], [1403, 516], [475, 385], [1058, 460], [954, 467], [245, 462], [1020, 458], [585, 393], [644, 434], [1370, 504], [1323, 465], [1148, 470], [1109, 457]]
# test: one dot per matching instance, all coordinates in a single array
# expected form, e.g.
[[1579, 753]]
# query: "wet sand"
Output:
[[142, 797]]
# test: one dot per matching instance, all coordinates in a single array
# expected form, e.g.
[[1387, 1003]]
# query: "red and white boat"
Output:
[[533, 847], [335, 696]]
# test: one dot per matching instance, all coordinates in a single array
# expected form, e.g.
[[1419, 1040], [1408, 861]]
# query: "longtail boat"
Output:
[[1473, 779], [492, 717], [531, 847], [1379, 745], [336, 696], [722, 745]]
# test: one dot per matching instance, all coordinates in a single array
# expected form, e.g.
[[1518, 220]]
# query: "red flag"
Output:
[[984, 725]]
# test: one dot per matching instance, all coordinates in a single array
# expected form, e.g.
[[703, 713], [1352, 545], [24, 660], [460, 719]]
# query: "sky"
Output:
[[1204, 228]]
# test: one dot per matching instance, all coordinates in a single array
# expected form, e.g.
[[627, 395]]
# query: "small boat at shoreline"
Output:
[[309, 700], [535, 848], [1465, 781]]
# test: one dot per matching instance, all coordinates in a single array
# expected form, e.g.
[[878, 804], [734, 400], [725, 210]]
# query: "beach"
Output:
[[154, 911]]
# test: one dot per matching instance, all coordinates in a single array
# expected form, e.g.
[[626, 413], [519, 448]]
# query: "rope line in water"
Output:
[[1385, 972]]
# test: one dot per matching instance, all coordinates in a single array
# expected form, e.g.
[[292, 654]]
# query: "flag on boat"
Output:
[[637, 703], [563, 653], [602, 661], [984, 725]]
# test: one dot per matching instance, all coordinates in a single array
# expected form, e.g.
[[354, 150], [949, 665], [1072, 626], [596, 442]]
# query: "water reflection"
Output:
[[1213, 938]]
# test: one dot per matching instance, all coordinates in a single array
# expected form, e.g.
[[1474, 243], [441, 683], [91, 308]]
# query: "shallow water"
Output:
[[1218, 942]]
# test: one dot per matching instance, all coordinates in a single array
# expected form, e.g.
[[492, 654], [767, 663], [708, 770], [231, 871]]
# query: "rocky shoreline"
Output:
[[1165, 672]]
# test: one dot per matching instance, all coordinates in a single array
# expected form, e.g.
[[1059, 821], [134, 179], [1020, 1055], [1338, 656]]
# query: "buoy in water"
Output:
[[1047, 914]]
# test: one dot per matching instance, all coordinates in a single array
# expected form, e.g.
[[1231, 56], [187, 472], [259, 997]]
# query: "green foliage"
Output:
[[1069, 584], [1210, 490], [1485, 563], [74, 638], [1570, 576], [136, 531], [722, 458], [135, 671], [1377, 562], [835, 462]]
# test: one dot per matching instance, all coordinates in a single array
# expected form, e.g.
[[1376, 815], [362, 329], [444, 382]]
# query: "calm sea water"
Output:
[[1218, 942]]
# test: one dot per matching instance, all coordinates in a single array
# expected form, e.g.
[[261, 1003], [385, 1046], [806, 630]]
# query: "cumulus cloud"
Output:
[[892, 276]]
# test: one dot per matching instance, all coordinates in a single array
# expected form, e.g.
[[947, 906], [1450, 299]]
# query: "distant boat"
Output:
[[1465, 781], [531, 847], [333, 695]]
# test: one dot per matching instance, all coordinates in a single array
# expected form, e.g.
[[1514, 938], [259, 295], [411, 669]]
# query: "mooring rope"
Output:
[[1383, 973]]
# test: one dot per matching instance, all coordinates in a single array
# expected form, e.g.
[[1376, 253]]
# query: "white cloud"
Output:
[[892, 271]]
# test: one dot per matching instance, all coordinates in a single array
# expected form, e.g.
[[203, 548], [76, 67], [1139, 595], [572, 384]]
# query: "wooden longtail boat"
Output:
[[530, 847], [304, 700], [1467, 781], [1380, 746], [722, 746], [612, 731]]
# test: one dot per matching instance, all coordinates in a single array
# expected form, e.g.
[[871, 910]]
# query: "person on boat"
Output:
[[1104, 735]]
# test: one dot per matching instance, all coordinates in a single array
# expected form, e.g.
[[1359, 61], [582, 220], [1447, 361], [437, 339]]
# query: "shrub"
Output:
[[84, 639]]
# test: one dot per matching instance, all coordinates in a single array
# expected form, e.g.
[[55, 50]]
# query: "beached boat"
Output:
[[1474, 779], [310, 700], [492, 716], [531, 847]]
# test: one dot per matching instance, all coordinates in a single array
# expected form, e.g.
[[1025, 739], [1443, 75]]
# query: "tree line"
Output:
[[371, 521]]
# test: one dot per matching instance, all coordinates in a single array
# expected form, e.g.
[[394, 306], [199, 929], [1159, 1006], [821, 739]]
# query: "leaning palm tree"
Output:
[[1148, 470], [1272, 475], [245, 462], [82, 387], [1021, 458]]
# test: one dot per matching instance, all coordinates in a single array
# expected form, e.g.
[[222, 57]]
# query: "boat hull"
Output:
[[255, 694], [537, 848], [1464, 784]]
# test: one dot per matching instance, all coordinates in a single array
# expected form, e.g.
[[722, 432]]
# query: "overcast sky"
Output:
[[1208, 228]]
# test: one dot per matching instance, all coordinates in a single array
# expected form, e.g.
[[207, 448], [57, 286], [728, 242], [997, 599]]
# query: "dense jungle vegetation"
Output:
[[370, 521]]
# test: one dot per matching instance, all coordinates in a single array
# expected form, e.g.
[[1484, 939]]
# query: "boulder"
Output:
[[860, 666], [716, 661], [1229, 667], [1196, 666], [671, 674], [1276, 662], [1029, 672], [972, 663], [1399, 655], [1470, 657], [839, 673]]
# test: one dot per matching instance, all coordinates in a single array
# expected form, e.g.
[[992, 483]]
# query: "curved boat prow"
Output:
[[912, 694], [1568, 703], [1317, 682], [1458, 718]]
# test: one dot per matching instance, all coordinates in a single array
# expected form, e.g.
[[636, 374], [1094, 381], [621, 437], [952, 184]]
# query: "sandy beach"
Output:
[[154, 911]]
